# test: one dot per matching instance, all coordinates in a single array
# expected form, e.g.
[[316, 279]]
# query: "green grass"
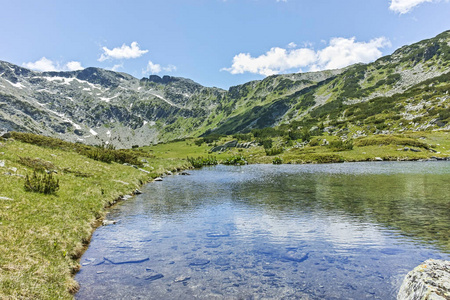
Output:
[[42, 236]]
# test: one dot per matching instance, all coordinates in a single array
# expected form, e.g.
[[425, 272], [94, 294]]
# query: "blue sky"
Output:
[[214, 42]]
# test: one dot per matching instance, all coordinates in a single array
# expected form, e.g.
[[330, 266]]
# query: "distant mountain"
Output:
[[408, 90]]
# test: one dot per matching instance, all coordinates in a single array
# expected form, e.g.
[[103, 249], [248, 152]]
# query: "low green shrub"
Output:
[[266, 143], [99, 154], [341, 145], [37, 164], [108, 154], [274, 151], [45, 183], [320, 158], [202, 161], [389, 140], [277, 161], [238, 160]]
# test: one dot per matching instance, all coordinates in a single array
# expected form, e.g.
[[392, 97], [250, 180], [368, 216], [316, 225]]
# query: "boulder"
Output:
[[428, 281], [5, 134], [230, 144], [109, 222]]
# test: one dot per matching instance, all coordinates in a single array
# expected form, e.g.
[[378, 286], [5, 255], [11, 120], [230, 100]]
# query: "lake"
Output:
[[331, 231]]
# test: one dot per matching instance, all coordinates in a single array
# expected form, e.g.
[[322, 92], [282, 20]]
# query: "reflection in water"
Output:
[[306, 231]]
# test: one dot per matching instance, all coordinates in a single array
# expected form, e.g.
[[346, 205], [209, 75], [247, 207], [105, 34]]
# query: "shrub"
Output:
[[36, 164], [277, 161], [238, 160], [266, 143], [243, 137], [199, 142], [274, 151], [108, 154], [389, 140], [99, 154], [44, 183], [202, 161], [341, 145], [320, 158]]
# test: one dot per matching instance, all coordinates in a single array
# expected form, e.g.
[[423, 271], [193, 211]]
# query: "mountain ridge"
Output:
[[98, 106]]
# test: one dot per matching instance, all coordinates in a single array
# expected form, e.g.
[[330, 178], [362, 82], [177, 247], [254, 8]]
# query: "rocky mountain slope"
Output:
[[407, 90]]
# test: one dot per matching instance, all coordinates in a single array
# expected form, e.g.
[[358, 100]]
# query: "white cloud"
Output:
[[343, 52], [45, 64], [340, 52], [170, 68], [74, 65], [153, 68], [292, 45], [123, 52], [115, 68], [405, 6]]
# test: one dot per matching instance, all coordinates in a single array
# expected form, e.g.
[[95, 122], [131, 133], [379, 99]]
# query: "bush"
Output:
[[389, 140], [44, 183], [108, 154], [277, 161], [199, 142], [36, 164], [99, 154], [341, 145], [266, 143], [201, 161], [320, 158], [243, 137], [235, 160], [274, 151]]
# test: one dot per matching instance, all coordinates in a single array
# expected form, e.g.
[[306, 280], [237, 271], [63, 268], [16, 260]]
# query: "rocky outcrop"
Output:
[[428, 281], [231, 144]]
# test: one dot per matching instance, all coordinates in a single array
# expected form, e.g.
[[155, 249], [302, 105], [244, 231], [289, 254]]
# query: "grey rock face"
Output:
[[428, 281]]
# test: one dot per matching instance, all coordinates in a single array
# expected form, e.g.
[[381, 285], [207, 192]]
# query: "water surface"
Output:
[[335, 231]]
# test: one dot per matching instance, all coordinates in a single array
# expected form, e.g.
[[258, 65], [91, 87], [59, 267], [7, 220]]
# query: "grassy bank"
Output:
[[323, 149], [43, 235]]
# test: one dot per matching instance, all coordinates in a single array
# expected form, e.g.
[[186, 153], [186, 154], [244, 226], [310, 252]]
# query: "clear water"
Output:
[[337, 231]]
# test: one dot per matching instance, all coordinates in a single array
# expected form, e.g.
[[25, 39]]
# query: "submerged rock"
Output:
[[428, 281], [132, 261], [297, 257], [154, 277], [199, 262], [182, 278]]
